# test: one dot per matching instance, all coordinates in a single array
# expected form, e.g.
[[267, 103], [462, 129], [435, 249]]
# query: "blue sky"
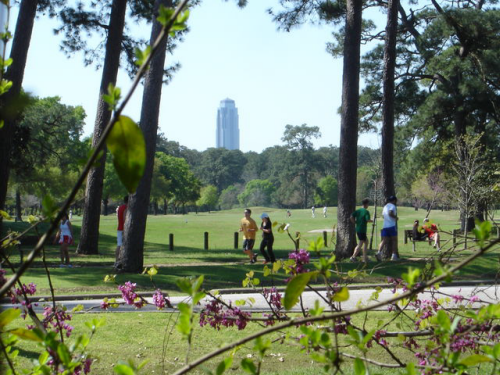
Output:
[[276, 78]]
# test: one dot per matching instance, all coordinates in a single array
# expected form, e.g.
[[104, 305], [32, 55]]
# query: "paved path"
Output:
[[487, 294]]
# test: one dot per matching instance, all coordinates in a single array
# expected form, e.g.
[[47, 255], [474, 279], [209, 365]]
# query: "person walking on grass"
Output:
[[121, 214], [267, 239], [361, 217], [249, 229], [65, 237], [324, 211], [313, 212], [389, 231]]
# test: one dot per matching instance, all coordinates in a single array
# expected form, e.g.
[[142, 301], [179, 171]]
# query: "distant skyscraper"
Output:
[[228, 131]]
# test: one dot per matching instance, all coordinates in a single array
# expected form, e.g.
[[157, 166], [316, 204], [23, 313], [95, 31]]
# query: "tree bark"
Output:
[[349, 130], [388, 107], [132, 256], [388, 100], [15, 73], [89, 237]]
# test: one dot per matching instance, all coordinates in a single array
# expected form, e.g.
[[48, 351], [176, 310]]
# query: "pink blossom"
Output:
[[159, 300]]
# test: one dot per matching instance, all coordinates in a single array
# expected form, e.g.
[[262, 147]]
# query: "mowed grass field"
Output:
[[152, 337], [222, 264]]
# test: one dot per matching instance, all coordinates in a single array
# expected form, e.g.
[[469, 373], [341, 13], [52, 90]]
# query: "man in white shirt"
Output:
[[389, 229]]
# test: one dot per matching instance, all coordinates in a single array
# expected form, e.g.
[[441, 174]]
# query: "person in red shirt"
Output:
[[121, 213], [433, 233]]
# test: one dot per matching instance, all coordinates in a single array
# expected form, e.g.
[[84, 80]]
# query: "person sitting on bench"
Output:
[[418, 233], [433, 233]]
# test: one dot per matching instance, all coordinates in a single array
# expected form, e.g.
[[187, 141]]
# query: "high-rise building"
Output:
[[228, 131]]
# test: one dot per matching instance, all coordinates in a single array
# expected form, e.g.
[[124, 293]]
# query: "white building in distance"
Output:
[[228, 131]]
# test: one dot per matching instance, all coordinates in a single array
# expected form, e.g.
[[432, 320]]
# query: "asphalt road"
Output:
[[486, 295]]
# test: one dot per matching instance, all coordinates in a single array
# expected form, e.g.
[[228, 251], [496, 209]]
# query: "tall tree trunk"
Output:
[[89, 237], [15, 73], [349, 130], [132, 256], [388, 100], [388, 107]]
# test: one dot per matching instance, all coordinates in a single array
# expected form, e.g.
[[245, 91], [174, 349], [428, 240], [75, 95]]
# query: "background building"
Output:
[[228, 131]]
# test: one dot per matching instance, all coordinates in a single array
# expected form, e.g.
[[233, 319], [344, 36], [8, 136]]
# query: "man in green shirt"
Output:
[[361, 217]]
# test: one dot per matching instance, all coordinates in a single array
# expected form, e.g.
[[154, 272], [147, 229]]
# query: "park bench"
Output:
[[409, 236], [30, 241]]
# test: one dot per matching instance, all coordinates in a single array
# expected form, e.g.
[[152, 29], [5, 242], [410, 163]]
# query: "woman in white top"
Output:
[[65, 236]]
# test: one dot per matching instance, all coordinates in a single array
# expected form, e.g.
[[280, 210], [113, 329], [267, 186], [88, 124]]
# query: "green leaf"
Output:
[[341, 296], [224, 365], [411, 277], [127, 145], [165, 14], [198, 283], [123, 370], [248, 365], [185, 285], [152, 271], [8, 316], [142, 56], [443, 320], [276, 266], [474, 359], [43, 358], [2, 123], [198, 297], [482, 231], [64, 355], [113, 96], [49, 207], [267, 271], [5, 215], [410, 369], [359, 367], [26, 334], [295, 288]]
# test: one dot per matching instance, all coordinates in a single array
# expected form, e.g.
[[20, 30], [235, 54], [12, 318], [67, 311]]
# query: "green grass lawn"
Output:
[[152, 336], [222, 265], [146, 334]]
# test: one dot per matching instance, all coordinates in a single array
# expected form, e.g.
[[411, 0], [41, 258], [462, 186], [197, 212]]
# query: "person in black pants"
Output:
[[267, 239]]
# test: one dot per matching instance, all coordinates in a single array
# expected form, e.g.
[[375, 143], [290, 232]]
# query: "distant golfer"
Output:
[[389, 230], [324, 211], [249, 229], [361, 217], [313, 214]]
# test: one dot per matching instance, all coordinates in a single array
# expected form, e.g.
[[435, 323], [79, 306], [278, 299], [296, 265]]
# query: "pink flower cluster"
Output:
[[25, 289], [57, 319], [159, 300], [273, 297], [86, 367], [301, 258], [397, 284], [129, 295], [217, 315]]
